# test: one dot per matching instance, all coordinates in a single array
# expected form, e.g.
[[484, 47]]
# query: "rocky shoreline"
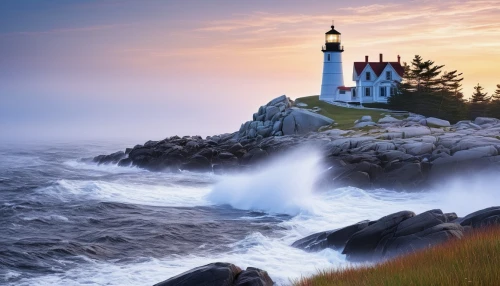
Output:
[[414, 152], [409, 153], [373, 241]]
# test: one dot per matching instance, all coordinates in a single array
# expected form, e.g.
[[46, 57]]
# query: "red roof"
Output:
[[346, 88], [378, 67]]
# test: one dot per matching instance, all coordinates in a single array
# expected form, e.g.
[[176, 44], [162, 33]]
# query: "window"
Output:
[[354, 93], [342, 92], [328, 57], [388, 75], [383, 91], [393, 91], [368, 76], [368, 91]]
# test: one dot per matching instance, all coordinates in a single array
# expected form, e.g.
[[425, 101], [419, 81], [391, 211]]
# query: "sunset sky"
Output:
[[152, 69]]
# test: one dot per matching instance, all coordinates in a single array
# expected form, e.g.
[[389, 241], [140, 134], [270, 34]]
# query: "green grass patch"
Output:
[[343, 116], [473, 260]]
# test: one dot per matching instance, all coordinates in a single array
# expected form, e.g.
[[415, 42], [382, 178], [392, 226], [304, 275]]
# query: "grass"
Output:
[[344, 117], [473, 260]]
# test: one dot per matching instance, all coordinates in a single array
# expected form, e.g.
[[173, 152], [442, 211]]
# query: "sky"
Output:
[[150, 69]]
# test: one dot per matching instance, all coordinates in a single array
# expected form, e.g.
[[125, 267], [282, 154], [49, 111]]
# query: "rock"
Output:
[[280, 99], [429, 237], [125, 162], [301, 121], [356, 179], [334, 239], [277, 126], [388, 119], [366, 118], [470, 154], [110, 159], [409, 132], [436, 122], [362, 245], [364, 124], [301, 104], [418, 148], [420, 222], [253, 277], [481, 218], [402, 175], [485, 120], [197, 163], [271, 111], [214, 274]]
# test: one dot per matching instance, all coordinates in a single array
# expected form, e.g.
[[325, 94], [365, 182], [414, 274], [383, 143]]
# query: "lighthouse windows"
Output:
[[332, 38]]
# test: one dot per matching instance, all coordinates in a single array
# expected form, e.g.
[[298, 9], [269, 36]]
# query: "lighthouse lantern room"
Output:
[[332, 65]]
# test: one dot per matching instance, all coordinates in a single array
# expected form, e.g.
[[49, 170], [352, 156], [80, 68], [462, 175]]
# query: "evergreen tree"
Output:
[[451, 82], [479, 96], [426, 90], [496, 96]]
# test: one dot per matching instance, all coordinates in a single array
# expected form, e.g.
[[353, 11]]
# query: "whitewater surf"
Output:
[[64, 222]]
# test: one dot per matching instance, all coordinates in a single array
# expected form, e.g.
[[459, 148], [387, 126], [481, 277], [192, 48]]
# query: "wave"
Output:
[[126, 192], [283, 186]]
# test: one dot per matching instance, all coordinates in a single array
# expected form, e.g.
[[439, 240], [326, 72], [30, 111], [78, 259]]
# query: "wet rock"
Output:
[[334, 239], [214, 274], [362, 245], [253, 277], [197, 163]]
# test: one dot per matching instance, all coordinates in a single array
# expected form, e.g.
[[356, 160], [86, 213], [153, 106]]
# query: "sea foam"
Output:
[[284, 185]]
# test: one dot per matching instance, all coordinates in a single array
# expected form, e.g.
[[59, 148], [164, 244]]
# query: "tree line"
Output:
[[429, 90]]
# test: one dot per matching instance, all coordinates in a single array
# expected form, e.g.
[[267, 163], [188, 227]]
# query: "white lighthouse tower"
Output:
[[332, 66]]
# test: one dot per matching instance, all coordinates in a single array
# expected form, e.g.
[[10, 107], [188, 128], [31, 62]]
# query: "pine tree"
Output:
[[496, 96], [479, 96], [451, 82]]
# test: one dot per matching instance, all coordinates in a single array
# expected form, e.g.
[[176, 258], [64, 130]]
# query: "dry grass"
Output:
[[474, 260]]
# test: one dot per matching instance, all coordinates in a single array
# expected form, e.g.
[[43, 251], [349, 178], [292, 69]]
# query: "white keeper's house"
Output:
[[375, 81]]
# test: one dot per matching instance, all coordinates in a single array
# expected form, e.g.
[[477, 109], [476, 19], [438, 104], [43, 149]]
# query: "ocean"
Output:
[[67, 222]]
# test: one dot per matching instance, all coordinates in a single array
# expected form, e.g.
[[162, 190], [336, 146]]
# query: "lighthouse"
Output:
[[332, 65]]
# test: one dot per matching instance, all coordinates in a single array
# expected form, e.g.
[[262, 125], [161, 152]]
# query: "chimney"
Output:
[[366, 59], [381, 58], [399, 59]]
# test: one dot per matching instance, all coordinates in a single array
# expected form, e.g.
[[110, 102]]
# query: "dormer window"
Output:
[[368, 76], [388, 75]]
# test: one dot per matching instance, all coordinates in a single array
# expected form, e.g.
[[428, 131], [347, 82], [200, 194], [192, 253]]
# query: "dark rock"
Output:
[[420, 222], [354, 179], [427, 238], [214, 274], [197, 163], [208, 153], [362, 245], [125, 162], [481, 218], [141, 151], [253, 156], [253, 277], [335, 239], [150, 143]]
